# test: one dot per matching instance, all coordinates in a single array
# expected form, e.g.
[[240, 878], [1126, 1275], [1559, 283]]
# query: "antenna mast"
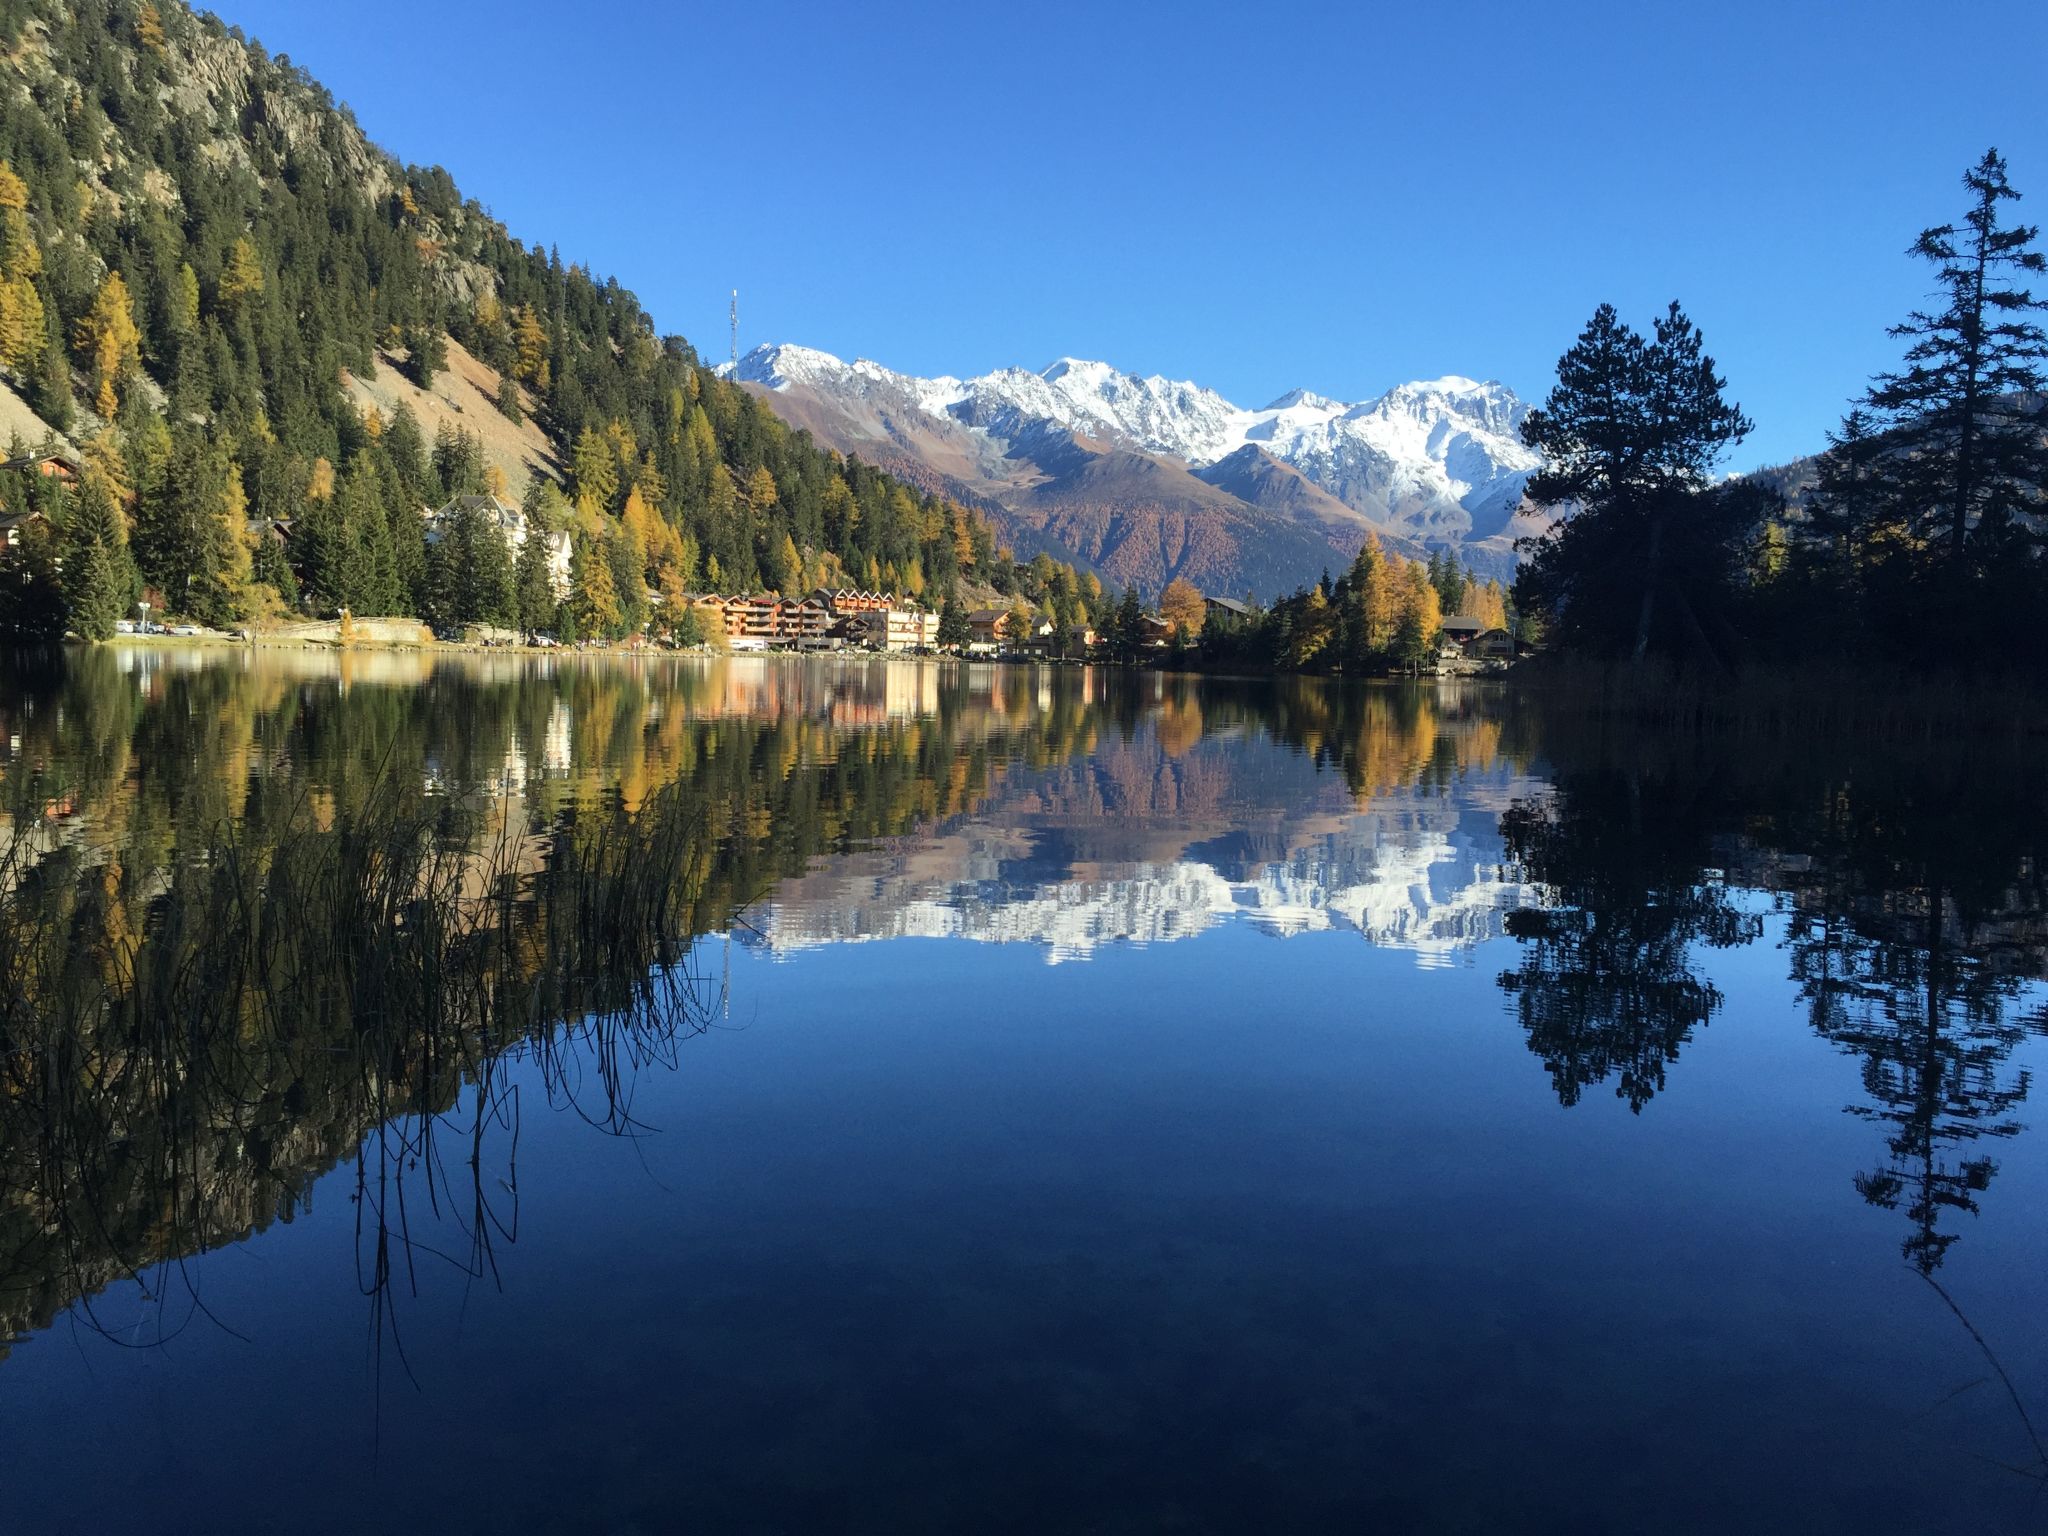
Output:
[[735, 330]]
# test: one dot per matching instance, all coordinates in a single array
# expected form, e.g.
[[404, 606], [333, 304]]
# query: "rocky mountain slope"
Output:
[[1151, 478]]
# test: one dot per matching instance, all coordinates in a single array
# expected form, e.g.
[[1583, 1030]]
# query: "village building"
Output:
[[512, 527], [1460, 629], [987, 629], [1491, 645], [843, 601], [764, 620], [12, 523], [60, 467], [892, 629]]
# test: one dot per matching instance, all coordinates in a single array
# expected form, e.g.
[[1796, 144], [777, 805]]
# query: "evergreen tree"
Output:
[[183, 544], [472, 567], [99, 577], [1962, 420], [629, 576], [533, 594], [426, 353], [594, 596], [954, 630], [1630, 436], [1449, 582], [31, 587], [458, 462], [1127, 628]]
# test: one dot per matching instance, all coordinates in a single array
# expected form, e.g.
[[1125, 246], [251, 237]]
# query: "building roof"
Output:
[[1462, 624], [1229, 605], [30, 460], [479, 503]]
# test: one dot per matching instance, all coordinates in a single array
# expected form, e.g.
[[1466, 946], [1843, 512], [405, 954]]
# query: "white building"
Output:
[[512, 527]]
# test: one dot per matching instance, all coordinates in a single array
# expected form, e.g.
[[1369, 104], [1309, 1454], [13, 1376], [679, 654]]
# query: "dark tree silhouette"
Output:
[[1630, 435], [1606, 988], [1962, 424]]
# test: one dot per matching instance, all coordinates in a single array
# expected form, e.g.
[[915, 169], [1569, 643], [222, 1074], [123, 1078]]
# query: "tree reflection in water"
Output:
[[255, 926], [359, 985], [1606, 987], [1916, 928]]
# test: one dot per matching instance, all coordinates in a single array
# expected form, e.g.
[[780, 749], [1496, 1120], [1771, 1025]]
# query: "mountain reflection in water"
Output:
[[270, 920]]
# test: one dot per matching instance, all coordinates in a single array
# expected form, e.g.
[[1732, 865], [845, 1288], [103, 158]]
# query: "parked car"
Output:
[[187, 629]]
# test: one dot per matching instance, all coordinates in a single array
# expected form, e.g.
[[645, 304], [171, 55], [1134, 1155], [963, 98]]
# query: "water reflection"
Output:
[[267, 916], [1915, 929]]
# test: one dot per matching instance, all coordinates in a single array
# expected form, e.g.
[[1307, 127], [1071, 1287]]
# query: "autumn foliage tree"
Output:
[[1183, 608], [110, 344]]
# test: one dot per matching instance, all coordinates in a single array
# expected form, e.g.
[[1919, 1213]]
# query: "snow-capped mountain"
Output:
[[1408, 879], [1438, 462]]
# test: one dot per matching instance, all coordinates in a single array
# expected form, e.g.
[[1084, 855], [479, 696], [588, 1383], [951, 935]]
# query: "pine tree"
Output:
[[1961, 421], [99, 577], [954, 630], [458, 461], [1630, 436], [426, 352], [1127, 629], [534, 597], [182, 540], [31, 588]]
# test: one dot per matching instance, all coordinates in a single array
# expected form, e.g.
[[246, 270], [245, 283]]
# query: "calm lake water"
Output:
[[760, 1096]]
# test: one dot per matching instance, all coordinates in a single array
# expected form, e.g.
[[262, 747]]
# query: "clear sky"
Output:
[[1339, 197]]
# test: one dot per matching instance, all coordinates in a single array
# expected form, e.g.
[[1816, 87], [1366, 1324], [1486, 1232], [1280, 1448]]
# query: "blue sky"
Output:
[[1340, 197]]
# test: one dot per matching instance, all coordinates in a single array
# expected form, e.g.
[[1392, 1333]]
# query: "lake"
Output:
[[863, 1095]]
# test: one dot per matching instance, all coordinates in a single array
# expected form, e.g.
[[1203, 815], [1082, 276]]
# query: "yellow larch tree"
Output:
[[1182, 607], [242, 278], [110, 343], [21, 306], [529, 347]]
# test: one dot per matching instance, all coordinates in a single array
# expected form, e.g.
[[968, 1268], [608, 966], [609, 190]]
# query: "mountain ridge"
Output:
[[1430, 464]]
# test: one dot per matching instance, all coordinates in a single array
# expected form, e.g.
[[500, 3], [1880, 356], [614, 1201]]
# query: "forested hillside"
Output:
[[209, 280]]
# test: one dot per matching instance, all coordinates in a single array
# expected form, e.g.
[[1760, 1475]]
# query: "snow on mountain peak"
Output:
[[1306, 399], [1448, 447]]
